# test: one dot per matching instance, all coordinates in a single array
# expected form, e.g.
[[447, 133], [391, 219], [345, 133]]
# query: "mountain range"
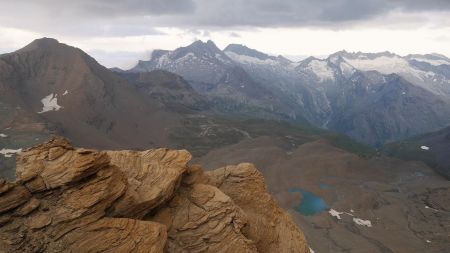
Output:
[[373, 98], [240, 105]]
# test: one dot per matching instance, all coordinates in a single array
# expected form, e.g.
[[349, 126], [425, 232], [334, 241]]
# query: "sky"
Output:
[[120, 32]]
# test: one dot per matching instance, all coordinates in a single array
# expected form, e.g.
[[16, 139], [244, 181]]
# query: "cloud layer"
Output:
[[138, 17], [119, 32]]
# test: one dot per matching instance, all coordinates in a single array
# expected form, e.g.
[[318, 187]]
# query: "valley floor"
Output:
[[378, 204]]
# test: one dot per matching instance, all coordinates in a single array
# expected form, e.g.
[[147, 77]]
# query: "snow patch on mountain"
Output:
[[394, 64], [245, 59], [362, 222], [220, 58], [10, 152], [383, 64], [335, 213], [50, 103], [321, 70], [434, 62], [346, 69]]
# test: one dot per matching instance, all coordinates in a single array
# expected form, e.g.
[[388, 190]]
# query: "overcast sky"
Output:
[[119, 32]]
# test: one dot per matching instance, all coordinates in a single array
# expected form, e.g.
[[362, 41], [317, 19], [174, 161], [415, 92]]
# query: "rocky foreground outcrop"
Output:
[[82, 200]]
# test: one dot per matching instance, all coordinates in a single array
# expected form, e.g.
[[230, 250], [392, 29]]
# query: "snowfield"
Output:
[[10, 152], [362, 222], [335, 213], [321, 70], [50, 103], [432, 62], [245, 59]]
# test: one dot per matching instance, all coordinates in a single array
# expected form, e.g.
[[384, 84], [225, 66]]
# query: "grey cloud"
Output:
[[420, 5], [286, 13], [235, 35], [108, 8], [139, 17], [136, 7], [273, 13]]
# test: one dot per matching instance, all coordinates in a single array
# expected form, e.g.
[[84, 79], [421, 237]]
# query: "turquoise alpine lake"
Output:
[[311, 204]]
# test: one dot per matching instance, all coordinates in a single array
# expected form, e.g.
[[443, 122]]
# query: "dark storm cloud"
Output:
[[285, 13], [139, 17], [273, 13], [106, 7], [421, 5], [135, 7]]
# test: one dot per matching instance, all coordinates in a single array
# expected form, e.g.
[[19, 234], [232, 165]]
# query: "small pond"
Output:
[[311, 204]]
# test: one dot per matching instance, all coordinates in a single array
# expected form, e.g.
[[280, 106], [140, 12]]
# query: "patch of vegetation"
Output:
[[410, 150], [346, 143], [200, 134]]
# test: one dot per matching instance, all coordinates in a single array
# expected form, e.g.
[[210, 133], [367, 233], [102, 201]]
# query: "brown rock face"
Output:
[[153, 176], [78, 200], [270, 227], [201, 218]]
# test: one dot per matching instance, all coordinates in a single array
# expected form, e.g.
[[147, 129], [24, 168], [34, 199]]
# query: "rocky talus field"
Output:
[[68, 199]]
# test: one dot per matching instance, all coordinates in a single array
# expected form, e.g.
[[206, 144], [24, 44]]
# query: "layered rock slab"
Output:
[[60, 203], [68, 199], [201, 218], [152, 175], [271, 229]]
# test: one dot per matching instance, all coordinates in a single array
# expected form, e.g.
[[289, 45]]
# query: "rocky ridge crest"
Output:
[[82, 200]]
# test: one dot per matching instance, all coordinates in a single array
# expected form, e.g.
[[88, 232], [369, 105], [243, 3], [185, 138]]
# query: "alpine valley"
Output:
[[353, 146]]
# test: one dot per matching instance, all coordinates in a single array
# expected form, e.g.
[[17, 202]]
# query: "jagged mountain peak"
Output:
[[363, 55], [199, 49], [309, 59], [197, 53], [432, 59], [202, 46], [158, 53], [283, 59], [320, 68], [200, 42], [244, 50]]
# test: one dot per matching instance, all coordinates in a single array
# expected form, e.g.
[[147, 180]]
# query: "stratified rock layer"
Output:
[[79, 200], [152, 175], [270, 227]]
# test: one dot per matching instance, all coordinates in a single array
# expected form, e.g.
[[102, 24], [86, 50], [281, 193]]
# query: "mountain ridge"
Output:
[[314, 89], [296, 158], [131, 201]]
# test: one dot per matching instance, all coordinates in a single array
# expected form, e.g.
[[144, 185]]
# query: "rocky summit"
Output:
[[83, 200]]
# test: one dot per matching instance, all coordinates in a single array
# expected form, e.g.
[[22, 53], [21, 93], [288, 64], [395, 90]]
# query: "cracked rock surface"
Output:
[[68, 199]]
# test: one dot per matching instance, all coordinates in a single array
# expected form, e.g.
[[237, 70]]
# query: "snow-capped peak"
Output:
[[320, 68], [383, 64], [246, 59], [432, 59], [244, 55], [245, 51]]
